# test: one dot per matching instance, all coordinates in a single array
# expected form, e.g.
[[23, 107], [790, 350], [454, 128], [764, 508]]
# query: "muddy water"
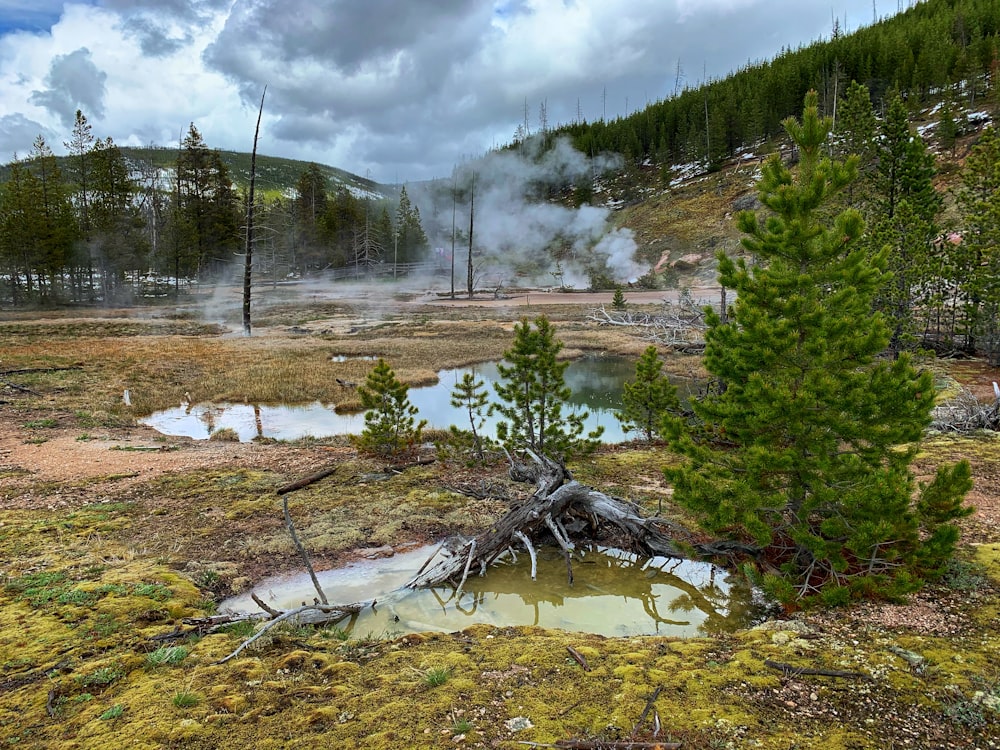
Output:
[[613, 593], [596, 383]]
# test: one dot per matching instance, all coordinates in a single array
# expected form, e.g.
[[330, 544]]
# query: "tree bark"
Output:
[[558, 505]]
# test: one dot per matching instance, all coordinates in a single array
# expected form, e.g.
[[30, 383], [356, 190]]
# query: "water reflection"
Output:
[[614, 593], [596, 383]]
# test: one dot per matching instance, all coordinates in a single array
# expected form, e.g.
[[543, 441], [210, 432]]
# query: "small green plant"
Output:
[[960, 575], [166, 655], [618, 302], [241, 629], [390, 427], [78, 597], [471, 395], [114, 712], [102, 677], [207, 579], [462, 726], [156, 591], [648, 398], [436, 676], [84, 437], [186, 699], [37, 424]]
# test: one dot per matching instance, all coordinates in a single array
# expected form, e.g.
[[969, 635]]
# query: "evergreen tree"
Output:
[[19, 203], [977, 262], [806, 451], [649, 398], [856, 127], [390, 427], [471, 395], [311, 201], [904, 219], [533, 392], [947, 128], [618, 300], [118, 238], [410, 242], [206, 212], [52, 229]]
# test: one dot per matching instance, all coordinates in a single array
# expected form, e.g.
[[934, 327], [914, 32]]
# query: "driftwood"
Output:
[[298, 484], [680, 325], [309, 614], [302, 551], [559, 506], [966, 414], [793, 671]]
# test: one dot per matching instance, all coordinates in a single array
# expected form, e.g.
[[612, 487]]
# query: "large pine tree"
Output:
[[806, 450]]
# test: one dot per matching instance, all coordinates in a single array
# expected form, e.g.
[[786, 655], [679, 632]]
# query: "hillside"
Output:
[[276, 175]]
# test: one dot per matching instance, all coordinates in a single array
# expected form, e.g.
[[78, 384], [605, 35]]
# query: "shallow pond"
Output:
[[596, 383], [614, 593]]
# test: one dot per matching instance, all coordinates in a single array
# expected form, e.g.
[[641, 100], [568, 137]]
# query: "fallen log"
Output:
[[558, 504], [309, 614]]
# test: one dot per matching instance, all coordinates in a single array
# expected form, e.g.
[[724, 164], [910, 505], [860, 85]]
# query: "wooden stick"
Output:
[[302, 551], [793, 671], [531, 552], [38, 369], [260, 603], [20, 388], [298, 484], [646, 710], [465, 573], [336, 613], [579, 658]]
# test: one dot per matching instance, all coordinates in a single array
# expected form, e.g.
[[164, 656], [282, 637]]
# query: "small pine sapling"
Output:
[[471, 395], [390, 427], [648, 398], [618, 302], [532, 394]]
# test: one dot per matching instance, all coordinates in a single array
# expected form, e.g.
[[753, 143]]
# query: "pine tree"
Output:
[[54, 229], [977, 262], [471, 395], [390, 426], [856, 126], [411, 242], [649, 398], [533, 392], [618, 301], [806, 450], [903, 219], [118, 240]]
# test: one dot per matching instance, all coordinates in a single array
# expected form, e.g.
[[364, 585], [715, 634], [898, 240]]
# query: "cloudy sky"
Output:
[[397, 90]]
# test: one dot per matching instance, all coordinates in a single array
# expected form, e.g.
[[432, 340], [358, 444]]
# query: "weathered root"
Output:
[[557, 506]]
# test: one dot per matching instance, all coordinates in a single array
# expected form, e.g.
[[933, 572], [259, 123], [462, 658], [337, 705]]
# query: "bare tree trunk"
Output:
[[248, 260], [472, 213]]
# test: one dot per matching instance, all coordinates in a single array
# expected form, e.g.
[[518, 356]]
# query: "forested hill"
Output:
[[931, 46], [275, 174]]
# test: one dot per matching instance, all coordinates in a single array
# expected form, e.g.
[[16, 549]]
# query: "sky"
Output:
[[393, 90]]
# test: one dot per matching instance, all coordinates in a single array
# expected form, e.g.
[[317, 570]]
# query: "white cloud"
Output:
[[400, 88]]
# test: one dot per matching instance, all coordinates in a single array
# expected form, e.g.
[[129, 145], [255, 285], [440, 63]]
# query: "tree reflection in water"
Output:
[[613, 590]]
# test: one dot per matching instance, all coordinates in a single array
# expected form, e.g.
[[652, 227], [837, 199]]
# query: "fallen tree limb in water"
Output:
[[559, 506], [309, 614]]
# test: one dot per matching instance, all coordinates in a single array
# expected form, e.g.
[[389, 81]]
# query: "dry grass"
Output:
[[273, 367]]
